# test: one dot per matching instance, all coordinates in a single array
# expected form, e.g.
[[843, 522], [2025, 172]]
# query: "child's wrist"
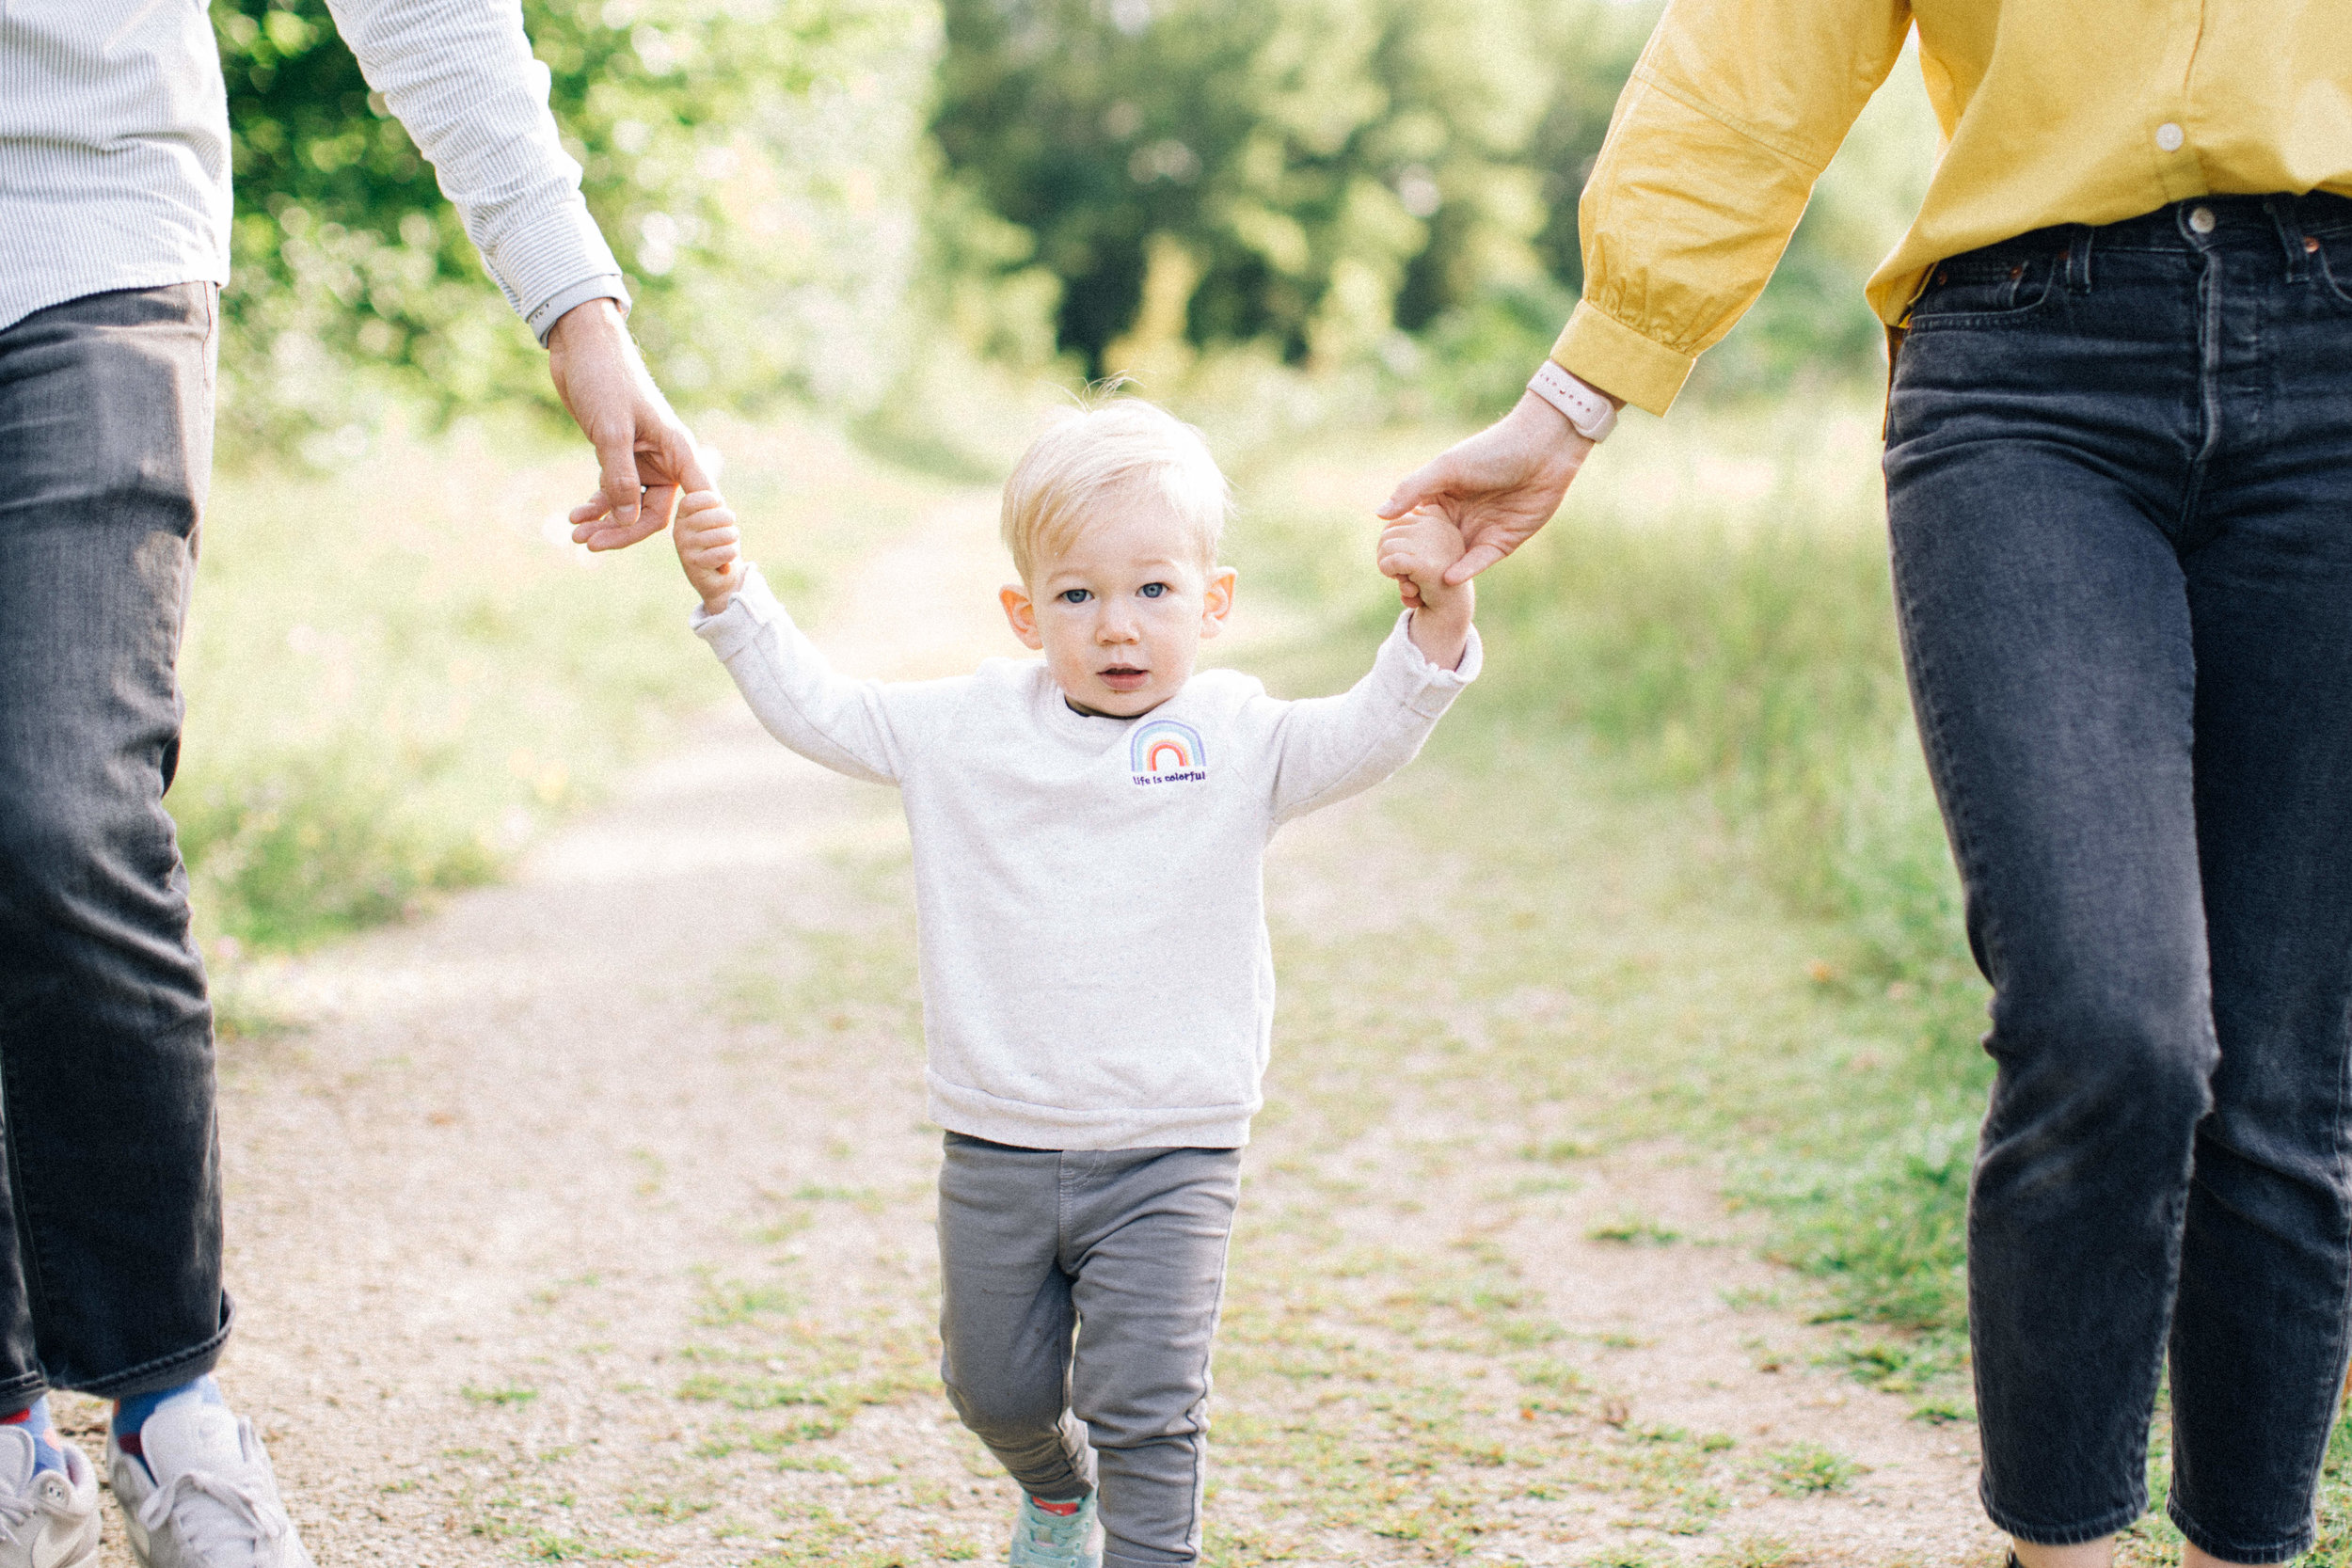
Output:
[[1442, 630]]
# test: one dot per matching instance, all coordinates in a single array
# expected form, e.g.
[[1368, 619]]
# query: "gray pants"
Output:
[[1079, 1293]]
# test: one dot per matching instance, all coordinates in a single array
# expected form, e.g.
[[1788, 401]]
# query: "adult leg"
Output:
[[1149, 1232], [2034, 468], [110, 1273], [2259, 1339], [1005, 1317]]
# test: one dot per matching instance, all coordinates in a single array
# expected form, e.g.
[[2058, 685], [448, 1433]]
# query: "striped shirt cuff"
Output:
[[550, 245], [604, 285]]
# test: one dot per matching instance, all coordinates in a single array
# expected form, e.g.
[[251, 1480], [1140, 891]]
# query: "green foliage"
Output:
[[1322, 177], [1314, 174], [1719, 592], [754, 164], [1711, 615], [397, 673]]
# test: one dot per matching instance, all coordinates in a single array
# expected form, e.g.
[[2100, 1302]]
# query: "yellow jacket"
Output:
[[2052, 111]]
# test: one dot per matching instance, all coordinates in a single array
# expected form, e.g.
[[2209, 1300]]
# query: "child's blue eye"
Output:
[[1073, 595], [1153, 590]]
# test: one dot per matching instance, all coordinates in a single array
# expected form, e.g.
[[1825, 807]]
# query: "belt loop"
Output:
[[2078, 260], [2288, 221]]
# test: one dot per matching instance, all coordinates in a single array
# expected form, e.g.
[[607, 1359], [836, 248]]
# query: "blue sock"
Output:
[[34, 1418], [132, 1413]]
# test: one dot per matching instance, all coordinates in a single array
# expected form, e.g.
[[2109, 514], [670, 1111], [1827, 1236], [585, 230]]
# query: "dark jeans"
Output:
[[110, 1251], [2119, 488]]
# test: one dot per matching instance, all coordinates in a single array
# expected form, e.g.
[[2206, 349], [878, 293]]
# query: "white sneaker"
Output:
[[48, 1518], [206, 1497]]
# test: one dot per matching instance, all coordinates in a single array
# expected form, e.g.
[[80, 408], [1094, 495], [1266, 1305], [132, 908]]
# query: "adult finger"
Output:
[[1423, 486], [616, 461], [1475, 561], [668, 469]]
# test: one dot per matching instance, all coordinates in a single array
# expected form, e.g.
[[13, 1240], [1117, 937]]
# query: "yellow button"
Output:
[[2169, 136], [2201, 219]]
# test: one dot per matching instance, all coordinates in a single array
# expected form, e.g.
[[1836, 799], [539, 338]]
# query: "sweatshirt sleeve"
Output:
[[1734, 111], [1327, 749], [851, 726]]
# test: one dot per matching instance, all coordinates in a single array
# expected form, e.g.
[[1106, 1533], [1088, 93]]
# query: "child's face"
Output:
[[1120, 613]]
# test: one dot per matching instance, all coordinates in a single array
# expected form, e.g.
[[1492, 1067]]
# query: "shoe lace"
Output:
[[243, 1517]]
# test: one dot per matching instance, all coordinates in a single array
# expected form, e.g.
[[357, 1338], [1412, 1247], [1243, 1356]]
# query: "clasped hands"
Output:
[[1495, 488]]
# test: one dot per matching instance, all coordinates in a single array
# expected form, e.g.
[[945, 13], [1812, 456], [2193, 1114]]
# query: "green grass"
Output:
[[397, 673], [1709, 621]]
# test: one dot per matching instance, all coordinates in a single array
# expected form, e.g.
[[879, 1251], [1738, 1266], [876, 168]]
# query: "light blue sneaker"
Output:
[[1047, 1538]]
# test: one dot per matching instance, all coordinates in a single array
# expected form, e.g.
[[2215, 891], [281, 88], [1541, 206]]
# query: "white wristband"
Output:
[[1593, 414]]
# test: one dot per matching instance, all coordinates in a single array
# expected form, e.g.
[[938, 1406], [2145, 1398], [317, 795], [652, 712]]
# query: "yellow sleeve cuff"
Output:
[[1607, 353]]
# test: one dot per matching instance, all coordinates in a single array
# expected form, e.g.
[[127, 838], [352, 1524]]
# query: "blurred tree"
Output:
[[755, 164], [1327, 174], [1311, 173]]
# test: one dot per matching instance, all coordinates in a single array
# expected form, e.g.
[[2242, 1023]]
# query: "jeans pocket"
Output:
[[1983, 288], [2331, 261]]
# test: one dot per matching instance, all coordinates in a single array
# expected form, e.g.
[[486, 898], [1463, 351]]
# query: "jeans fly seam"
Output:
[[2208, 387]]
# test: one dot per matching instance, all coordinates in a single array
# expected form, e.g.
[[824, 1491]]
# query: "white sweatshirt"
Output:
[[1088, 891]]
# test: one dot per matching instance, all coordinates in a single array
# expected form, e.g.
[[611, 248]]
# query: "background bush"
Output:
[[756, 164]]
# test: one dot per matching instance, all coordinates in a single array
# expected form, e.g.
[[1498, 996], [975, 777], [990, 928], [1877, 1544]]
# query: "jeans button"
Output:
[[2201, 219]]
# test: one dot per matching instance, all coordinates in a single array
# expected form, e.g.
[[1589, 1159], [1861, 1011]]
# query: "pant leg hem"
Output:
[[2284, 1549], [19, 1393], [1118, 1559], [2037, 1533], [167, 1372]]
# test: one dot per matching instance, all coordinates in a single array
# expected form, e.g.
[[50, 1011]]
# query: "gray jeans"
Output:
[[1080, 1291], [110, 1239]]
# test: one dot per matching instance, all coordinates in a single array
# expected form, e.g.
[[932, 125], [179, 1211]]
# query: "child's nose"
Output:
[[1118, 625]]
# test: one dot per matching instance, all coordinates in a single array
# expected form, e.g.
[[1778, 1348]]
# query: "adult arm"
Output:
[[1735, 109], [460, 76]]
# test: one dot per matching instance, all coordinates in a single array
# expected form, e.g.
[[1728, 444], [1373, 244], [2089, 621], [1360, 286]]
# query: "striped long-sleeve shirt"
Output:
[[113, 147]]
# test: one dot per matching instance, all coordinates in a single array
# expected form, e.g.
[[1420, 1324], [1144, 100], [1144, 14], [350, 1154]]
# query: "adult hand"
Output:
[[1498, 486], [646, 455]]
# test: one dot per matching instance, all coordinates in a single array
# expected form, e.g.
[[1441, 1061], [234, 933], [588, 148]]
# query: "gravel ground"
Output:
[[588, 1219]]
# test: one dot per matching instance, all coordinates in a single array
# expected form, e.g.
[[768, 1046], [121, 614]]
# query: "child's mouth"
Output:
[[1123, 677]]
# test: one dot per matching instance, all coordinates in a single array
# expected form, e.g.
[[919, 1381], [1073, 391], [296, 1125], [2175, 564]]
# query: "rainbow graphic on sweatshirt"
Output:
[[1166, 751]]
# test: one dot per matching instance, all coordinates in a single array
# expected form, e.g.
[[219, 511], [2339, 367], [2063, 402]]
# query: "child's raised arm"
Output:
[[858, 727], [708, 546]]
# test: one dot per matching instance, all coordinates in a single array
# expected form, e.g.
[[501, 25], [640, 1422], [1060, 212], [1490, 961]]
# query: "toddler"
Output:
[[1098, 987]]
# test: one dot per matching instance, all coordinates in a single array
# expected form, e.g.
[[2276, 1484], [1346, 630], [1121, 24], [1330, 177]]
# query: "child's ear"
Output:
[[1217, 600], [1020, 615]]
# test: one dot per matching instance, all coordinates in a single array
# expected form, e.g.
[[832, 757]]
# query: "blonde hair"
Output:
[[1110, 447]]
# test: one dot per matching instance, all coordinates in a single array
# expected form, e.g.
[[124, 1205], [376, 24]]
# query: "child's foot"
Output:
[[1055, 1535]]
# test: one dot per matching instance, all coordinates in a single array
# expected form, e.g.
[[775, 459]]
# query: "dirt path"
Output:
[[589, 1219]]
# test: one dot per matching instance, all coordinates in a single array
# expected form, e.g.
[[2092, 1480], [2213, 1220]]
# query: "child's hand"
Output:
[[708, 546], [1416, 549]]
